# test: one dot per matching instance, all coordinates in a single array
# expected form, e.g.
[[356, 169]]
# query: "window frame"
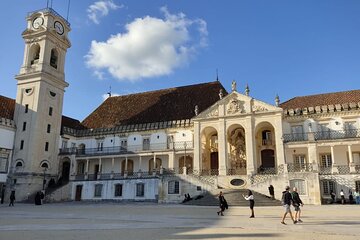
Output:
[[173, 189], [97, 191], [117, 192], [301, 186], [140, 190]]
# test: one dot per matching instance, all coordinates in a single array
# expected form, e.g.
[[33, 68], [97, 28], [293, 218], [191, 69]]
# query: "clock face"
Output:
[[59, 28], [37, 22]]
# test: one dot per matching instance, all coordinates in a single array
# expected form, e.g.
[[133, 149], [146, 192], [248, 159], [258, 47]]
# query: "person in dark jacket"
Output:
[[297, 203], [38, 198], [286, 201], [271, 192], [222, 204], [12, 198], [250, 198]]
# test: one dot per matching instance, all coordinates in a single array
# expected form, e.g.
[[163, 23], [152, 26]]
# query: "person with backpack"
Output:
[[297, 203], [286, 201]]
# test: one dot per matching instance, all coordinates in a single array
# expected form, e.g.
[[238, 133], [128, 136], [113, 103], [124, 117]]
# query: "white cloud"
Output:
[[101, 9], [150, 47]]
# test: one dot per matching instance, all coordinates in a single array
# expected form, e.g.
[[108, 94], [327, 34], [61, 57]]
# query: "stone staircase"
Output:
[[234, 198], [58, 194]]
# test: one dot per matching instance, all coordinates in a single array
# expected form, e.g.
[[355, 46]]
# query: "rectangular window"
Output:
[[3, 164], [298, 132], [324, 131], [300, 185], [140, 187], [22, 144], [81, 168], [47, 146], [98, 190], [24, 126], [350, 129], [118, 190], [173, 187], [64, 144], [50, 111], [328, 186], [146, 143], [299, 162], [26, 108], [100, 146], [326, 160], [48, 128]]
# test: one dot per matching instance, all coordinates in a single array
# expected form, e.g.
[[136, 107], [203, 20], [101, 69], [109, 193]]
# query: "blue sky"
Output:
[[290, 48]]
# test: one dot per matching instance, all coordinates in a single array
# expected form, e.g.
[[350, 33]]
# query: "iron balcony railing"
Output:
[[300, 167], [324, 135], [126, 149]]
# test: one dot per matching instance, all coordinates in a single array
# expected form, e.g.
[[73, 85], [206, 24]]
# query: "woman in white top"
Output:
[[250, 198]]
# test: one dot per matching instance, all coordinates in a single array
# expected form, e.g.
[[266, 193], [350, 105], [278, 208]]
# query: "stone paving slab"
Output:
[[152, 221]]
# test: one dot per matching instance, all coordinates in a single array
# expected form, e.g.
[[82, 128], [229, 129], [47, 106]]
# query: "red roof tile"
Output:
[[322, 99], [155, 106], [7, 107]]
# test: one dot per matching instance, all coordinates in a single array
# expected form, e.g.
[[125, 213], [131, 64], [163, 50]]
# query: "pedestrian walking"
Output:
[[286, 201], [250, 198], [12, 198], [357, 196], [333, 196], [297, 203], [222, 204], [342, 196]]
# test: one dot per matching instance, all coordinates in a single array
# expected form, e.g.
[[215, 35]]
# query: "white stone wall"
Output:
[[151, 189]]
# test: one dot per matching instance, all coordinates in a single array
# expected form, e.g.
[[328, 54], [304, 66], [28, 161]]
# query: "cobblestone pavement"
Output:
[[151, 221]]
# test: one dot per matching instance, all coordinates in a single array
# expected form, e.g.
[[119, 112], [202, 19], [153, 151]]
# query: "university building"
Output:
[[159, 145]]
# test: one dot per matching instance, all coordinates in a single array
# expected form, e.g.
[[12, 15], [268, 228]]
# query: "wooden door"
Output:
[[78, 192]]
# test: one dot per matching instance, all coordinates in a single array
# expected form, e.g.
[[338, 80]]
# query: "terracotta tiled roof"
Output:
[[155, 106], [7, 107], [352, 96], [71, 123]]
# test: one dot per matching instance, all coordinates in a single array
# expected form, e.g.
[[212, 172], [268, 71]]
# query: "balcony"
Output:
[[118, 150], [325, 135], [302, 167]]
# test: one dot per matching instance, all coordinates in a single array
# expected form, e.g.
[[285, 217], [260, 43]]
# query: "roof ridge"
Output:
[[166, 89], [320, 94]]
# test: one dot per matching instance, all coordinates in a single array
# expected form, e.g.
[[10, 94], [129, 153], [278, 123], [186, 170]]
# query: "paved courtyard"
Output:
[[151, 221]]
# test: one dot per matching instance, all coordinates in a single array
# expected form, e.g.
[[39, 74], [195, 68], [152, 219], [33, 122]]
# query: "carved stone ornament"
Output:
[[213, 113], [258, 108], [234, 106]]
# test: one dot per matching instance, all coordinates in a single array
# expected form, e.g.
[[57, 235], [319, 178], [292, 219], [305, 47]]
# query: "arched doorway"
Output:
[[158, 164], [188, 163], [65, 174], [130, 167], [237, 150], [210, 153]]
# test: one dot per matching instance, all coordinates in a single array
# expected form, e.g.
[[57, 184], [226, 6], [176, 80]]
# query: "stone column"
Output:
[[313, 157], [351, 160], [140, 162], [171, 160], [197, 148], [222, 147], [87, 169], [112, 168], [249, 145], [334, 168], [280, 153], [154, 163], [126, 167], [100, 170]]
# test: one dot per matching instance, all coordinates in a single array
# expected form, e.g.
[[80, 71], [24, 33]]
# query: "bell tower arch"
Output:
[[40, 91]]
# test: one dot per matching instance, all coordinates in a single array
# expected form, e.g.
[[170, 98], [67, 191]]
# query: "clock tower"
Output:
[[39, 100]]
